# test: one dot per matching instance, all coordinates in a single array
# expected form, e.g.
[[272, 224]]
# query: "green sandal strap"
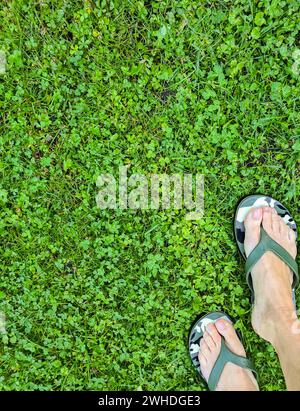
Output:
[[265, 244], [225, 356]]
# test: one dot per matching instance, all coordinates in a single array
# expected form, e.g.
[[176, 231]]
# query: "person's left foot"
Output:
[[233, 377]]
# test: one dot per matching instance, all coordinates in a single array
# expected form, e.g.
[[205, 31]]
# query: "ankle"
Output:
[[280, 322]]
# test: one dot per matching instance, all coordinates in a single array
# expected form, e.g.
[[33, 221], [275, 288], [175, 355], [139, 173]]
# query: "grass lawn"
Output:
[[103, 299]]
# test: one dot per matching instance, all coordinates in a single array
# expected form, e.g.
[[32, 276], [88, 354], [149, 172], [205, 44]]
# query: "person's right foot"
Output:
[[271, 277]]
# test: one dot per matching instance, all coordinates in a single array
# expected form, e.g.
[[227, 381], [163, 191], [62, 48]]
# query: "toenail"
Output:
[[221, 325], [257, 214], [209, 327]]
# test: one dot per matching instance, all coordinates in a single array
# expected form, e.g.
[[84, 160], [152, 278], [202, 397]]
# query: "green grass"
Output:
[[104, 299]]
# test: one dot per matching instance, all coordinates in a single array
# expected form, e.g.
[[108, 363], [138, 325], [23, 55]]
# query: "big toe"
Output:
[[225, 328], [252, 229]]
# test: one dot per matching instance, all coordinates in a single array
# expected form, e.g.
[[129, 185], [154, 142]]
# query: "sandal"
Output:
[[225, 356], [266, 243]]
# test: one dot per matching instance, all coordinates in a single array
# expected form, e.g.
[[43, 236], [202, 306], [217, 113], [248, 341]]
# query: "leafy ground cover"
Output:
[[99, 299]]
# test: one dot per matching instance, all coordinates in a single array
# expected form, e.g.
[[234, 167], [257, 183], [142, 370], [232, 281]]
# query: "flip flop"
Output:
[[225, 356], [266, 243]]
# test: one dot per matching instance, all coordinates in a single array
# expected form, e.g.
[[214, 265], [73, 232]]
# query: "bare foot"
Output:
[[233, 378], [272, 278]]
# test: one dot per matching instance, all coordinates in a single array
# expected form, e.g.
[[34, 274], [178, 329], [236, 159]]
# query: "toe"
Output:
[[202, 359], [267, 220], [253, 218], [291, 235], [276, 222], [252, 229], [213, 332], [291, 238], [283, 227], [209, 341], [204, 348], [226, 329]]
